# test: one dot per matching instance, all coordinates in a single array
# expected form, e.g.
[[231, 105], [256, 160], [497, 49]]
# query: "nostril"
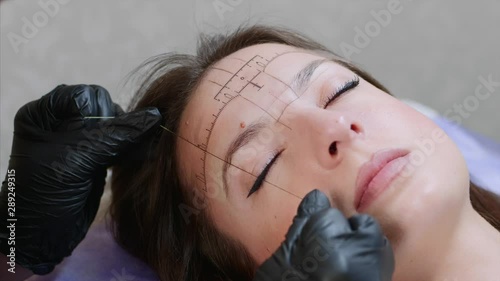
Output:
[[355, 128], [333, 148]]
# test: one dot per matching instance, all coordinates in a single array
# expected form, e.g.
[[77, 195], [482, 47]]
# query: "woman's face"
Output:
[[258, 93]]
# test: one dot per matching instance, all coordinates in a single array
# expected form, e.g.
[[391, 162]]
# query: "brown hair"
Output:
[[149, 200], [487, 204]]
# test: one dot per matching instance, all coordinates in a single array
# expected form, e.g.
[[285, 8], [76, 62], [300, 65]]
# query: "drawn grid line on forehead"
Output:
[[277, 55], [263, 71], [263, 109], [300, 79], [305, 75], [204, 147], [231, 164]]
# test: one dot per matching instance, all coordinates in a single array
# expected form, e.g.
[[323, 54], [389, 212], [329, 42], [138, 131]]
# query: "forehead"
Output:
[[249, 84], [257, 76]]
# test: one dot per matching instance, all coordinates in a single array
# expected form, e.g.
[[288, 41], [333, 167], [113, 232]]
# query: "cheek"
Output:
[[441, 177], [434, 154], [272, 216], [434, 189], [258, 223]]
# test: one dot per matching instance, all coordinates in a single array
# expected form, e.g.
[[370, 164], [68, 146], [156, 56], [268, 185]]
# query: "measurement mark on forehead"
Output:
[[229, 91], [221, 69], [256, 85], [240, 81], [222, 86], [251, 82]]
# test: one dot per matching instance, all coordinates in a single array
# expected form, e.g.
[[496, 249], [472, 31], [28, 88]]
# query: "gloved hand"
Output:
[[322, 245], [59, 160]]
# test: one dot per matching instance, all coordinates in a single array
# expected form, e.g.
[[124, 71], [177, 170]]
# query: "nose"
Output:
[[327, 135]]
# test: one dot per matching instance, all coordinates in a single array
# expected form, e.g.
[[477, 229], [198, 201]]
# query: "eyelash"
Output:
[[351, 84], [262, 176]]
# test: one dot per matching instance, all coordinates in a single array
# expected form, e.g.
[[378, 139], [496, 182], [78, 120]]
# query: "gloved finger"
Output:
[[370, 236], [314, 202], [131, 127], [274, 268], [367, 226], [42, 111], [100, 102], [329, 224], [114, 135], [118, 109], [363, 221], [66, 102], [94, 197], [92, 100]]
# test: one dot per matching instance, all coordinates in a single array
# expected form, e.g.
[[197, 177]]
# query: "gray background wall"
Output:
[[431, 51]]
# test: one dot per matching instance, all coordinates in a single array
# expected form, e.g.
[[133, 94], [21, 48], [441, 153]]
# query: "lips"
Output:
[[375, 175]]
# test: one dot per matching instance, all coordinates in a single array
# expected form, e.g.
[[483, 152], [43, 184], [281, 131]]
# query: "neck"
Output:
[[469, 250]]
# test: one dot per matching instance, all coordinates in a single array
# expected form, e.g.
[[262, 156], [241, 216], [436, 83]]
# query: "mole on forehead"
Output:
[[224, 71]]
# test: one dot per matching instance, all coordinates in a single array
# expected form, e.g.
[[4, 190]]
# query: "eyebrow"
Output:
[[250, 133], [303, 77], [298, 83]]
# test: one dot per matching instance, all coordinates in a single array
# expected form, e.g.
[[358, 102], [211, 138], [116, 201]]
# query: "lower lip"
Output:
[[382, 180]]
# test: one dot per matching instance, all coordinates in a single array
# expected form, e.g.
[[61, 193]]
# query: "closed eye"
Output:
[[262, 176], [351, 84]]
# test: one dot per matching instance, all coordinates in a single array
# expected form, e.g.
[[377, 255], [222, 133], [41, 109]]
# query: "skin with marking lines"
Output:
[[415, 212]]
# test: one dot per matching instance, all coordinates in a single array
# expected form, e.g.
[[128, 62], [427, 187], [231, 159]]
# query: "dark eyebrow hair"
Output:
[[299, 81], [250, 133], [303, 77]]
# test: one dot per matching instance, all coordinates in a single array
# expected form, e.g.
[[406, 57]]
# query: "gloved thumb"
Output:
[[314, 202], [363, 221], [116, 134], [367, 226], [66, 102], [133, 126]]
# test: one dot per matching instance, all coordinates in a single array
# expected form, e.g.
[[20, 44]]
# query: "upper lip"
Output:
[[371, 168]]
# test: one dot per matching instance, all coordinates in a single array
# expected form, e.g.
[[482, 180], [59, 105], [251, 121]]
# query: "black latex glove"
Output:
[[60, 160], [322, 245]]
